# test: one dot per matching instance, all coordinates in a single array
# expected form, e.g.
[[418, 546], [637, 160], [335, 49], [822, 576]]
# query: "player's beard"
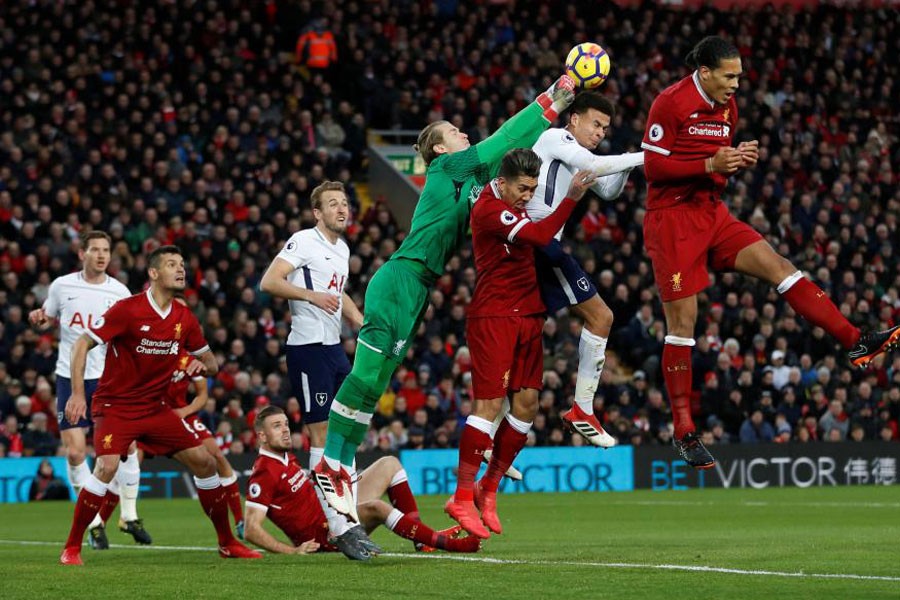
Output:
[[337, 228]]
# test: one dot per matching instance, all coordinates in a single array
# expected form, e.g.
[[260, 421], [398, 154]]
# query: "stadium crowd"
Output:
[[206, 124]]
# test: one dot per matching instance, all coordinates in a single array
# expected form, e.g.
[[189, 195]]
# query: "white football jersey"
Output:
[[561, 157], [321, 266], [78, 304]]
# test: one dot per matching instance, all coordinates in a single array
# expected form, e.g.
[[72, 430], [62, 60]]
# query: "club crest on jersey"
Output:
[[398, 347], [676, 282], [254, 490], [656, 132], [582, 284], [178, 331], [174, 348], [321, 398], [474, 193], [726, 114], [507, 218], [107, 441]]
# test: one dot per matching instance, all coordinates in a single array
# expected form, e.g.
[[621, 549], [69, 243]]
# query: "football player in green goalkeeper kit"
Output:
[[398, 294]]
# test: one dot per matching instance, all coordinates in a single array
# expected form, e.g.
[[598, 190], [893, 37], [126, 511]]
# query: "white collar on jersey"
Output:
[[156, 307], [495, 186], [707, 99], [283, 459], [81, 277], [325, 239]]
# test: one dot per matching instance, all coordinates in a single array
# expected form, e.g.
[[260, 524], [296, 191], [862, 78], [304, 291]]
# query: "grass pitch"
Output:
[[790, 543]]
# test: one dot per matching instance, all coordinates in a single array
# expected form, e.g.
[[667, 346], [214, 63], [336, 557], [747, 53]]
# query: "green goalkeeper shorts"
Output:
[[396, 300]]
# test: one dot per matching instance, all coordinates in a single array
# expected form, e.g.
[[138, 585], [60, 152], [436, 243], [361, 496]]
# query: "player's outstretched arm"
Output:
[[520, 131], [541, 233], [274, 281], [255, 533]]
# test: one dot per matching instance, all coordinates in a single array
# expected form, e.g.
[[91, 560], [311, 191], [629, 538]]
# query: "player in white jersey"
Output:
[[78, 300], [310, 271], [563, 282]]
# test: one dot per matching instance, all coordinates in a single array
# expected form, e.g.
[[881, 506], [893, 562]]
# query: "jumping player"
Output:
[[563, 281], [504, 329], [687, 228], [398, 294]]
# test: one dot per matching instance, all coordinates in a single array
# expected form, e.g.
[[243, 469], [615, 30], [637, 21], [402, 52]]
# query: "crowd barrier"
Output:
[[618, 469]]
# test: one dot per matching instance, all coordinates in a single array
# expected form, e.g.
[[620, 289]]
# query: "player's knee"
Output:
[[106, 467], [488, 409], [391, 464], [599, 319], [75, 456]]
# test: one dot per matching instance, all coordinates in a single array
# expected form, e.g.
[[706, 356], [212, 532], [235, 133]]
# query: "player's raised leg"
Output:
[[580, 418], [813, 304], [90, 500]]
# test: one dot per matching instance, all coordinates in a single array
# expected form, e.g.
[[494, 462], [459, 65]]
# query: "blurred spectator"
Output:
[[46, 485]]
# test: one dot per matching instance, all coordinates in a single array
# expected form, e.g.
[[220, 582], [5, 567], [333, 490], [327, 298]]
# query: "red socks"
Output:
[[215, 506], [507, 444], [676, 366], [815, 306], [403, 500], [110, 502], [472, 445], [234, 501], [86, 508]]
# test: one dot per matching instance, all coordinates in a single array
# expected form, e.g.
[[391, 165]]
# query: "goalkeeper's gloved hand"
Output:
[[557, 98]]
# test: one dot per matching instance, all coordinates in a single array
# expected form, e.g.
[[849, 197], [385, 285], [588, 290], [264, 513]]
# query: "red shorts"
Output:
[[682, 242], [198, 427], [160, 434], [507, 354]]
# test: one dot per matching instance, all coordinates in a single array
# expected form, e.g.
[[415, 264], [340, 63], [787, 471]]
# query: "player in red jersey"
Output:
[[176, 398], [144, 335], [687, 228], [281, 490], [504, 325]]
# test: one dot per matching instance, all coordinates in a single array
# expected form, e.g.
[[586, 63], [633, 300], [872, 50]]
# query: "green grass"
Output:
[[554, 546]]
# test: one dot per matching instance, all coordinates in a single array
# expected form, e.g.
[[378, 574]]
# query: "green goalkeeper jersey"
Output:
[[453, 182]]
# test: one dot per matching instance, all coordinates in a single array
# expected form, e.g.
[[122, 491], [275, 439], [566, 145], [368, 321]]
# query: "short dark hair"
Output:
[[265, 413], [156, 256], [94, 235], [586, 101], [326, 186], [518, 162], [430, 137], [710, 52]]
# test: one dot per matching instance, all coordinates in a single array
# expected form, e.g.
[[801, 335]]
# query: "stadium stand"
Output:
[[194, 123]]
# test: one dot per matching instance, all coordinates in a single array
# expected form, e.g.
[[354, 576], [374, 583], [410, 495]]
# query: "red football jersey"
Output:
[[176, 395], [503, 240], [280, 487], [144, 344], [685, 125], [506, 281]]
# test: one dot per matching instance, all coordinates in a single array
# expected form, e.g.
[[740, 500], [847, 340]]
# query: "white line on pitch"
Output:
[[549, 563], [755, 503]]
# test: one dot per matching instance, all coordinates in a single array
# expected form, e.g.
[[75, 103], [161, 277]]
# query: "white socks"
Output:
[[520, 426], [591, 358], [129, 478], [337, 523], [78, 475], [789, 281]]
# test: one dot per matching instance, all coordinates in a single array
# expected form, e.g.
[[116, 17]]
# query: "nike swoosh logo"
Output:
[[70, 298], [327, 258], [862, 351]]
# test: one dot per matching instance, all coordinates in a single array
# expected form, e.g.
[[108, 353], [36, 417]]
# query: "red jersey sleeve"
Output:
[[112, 324], [660, 164], [497, 219]]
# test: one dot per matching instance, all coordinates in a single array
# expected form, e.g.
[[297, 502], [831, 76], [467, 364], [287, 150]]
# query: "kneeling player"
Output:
[[504, 327], [280, 489], [188, 412]]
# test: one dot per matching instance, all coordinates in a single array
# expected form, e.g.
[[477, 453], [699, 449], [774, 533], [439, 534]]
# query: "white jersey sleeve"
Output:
[[561, 157], [320, 266], [78, 305]]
